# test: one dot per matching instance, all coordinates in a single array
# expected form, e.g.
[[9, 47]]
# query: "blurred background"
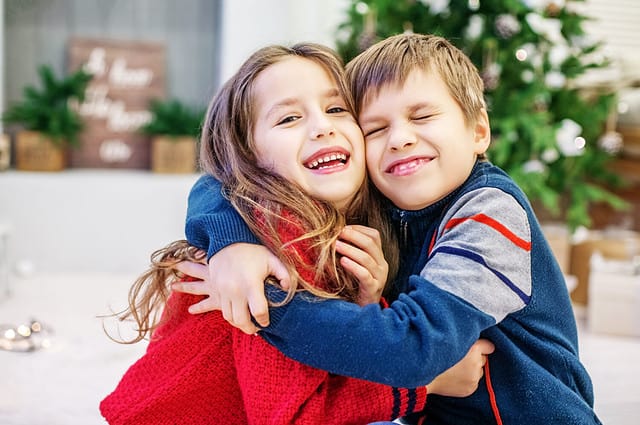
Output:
[[101, 104]]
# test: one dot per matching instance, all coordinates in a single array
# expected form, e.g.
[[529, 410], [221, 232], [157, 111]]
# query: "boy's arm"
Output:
[[210, 213], [213, 225], [478, 272], [400, 346]]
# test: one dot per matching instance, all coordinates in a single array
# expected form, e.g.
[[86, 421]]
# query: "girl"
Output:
[[281, 137]]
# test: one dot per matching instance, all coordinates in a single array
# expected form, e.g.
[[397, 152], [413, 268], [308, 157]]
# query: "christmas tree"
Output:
[[548, 133]]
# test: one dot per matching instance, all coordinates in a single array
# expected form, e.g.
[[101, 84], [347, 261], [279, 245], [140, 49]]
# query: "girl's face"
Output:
[[304, 132]]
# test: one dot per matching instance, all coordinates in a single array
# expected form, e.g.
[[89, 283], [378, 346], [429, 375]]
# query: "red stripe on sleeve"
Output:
[[499, 227]]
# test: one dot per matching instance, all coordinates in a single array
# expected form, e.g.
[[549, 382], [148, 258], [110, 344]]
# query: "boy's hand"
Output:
[[235, 276], [361, 248], [202, 286], [461, 379]]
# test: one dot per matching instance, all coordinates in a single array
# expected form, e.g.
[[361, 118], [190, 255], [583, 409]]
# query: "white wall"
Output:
[[90, 220], [250, 24]]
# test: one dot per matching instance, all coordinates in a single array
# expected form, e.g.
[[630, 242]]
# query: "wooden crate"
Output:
[[173, 155], [5, 152], [35, 152]]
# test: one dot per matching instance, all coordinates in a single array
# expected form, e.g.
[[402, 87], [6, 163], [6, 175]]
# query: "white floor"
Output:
[[614, 365], [62, 385]]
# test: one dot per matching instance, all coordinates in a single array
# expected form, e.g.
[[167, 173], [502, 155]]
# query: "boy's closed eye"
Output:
[[423, 117], [372, 131]]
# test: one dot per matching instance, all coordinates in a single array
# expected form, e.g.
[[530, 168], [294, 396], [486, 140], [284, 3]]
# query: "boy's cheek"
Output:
[[373, 153]]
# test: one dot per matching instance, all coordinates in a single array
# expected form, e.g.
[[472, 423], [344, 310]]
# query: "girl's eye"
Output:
[[336, 110], [422, 117], [287, 119]]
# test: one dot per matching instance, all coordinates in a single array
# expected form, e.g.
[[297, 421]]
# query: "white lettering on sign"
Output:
[[98, 105], [96, 64], [121, 120], [114, 150], [121, 76]]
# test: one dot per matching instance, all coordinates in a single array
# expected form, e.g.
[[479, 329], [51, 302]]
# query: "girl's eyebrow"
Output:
[[281, 104], [288, 101]]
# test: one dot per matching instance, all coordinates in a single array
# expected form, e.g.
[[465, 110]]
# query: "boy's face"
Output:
[[418, 146]]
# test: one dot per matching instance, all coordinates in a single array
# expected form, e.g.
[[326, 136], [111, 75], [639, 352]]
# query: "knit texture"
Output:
[[200, 370]]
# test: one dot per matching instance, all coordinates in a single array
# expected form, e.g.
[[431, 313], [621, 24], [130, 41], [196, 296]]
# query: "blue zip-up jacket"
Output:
[[475, 264]]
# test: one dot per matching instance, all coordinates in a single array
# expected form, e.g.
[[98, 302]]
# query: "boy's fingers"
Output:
[[194, 288], [208, 304], [196, 270], [259, 310], [242, 321], [485, 346], [278, 270]]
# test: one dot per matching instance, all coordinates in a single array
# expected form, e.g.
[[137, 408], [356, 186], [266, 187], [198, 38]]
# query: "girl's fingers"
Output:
[[364, 238], [355, 269], [355, 254]]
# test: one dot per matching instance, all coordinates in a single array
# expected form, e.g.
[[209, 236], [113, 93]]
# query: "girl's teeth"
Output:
[[328, 158]]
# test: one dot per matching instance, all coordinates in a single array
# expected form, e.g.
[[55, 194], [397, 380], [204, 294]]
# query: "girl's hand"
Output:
[[361, 248], [234, 282], [461, 379]]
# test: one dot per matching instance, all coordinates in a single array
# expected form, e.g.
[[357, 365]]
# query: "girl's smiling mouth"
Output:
[[326, 159]]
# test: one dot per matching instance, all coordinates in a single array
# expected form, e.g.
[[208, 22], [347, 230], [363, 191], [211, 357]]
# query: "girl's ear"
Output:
[[482, 132]]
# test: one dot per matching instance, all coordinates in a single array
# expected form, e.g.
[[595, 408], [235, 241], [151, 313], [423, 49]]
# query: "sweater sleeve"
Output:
[[212, 223], [276, 389], [406, 345], [485, 242], [478, 272]]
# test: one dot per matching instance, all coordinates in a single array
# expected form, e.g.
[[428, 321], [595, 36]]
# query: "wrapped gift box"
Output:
[[612, 244], [614, 296]]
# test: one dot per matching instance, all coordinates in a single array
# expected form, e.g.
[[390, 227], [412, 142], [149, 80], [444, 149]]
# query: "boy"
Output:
[[475, 262]]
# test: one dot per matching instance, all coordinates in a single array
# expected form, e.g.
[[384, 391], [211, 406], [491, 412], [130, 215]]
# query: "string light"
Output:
[[521, 55]]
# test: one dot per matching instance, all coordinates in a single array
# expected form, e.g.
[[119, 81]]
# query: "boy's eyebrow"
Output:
[[411, 109]]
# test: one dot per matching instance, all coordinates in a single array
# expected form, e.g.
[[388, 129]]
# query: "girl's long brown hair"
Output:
[[260, 196]]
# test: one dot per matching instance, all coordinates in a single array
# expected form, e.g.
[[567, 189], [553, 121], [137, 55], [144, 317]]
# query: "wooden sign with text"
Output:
[[126, 76]]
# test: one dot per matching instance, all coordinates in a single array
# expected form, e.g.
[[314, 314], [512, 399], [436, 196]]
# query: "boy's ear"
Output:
[[482, 131]]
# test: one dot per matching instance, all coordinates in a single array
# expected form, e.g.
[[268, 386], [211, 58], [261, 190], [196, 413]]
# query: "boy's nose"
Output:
[[400, 139]]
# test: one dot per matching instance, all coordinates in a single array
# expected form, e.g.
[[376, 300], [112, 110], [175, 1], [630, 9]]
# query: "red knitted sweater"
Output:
[[198, 369]]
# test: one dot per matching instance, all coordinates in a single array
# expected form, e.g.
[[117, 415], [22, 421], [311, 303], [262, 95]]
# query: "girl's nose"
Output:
[[322, 131]]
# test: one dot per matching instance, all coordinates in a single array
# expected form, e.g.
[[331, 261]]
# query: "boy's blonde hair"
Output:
[[390, 61]]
